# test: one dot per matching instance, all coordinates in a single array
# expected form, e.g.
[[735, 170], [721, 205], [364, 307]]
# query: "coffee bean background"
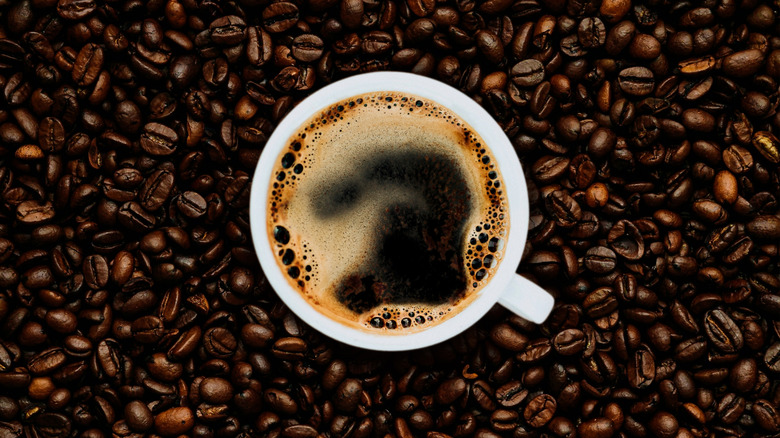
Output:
[[131, 301]]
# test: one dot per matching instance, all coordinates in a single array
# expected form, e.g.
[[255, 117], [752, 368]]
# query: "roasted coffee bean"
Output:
[[421, 8], [185, 344], [47, 361], [503, 420], [600, 302], [730, 408], [644, 47], [549, 168], [636, 81], [138, 416], [569, 342], [591, 33], [596, 428], [307, 48], [563, 208], [772, 357], [40, 388], [256, 335], [289, 348], [96, 271], [504, 336], [743, 376], [626, 240], [155, 189], [691, 349], [766, 415], [489, 45], [722, 332], [174, 421], [535, 351], [88, 65], [280, 16], [61, 320], [75, 9], [641, 368], [742, 63], [347, 395], [192, 204], [219, 342], [540, 410], [132, 216], [53, 424], [527, 73], [725, 187], [600, 260], [664, 424], [542, 103], [450, 391], [158, 139], [228, 30], [764, 227], [511, 394], [767, 145], [33, 212], [483, 395], [215, 390], [376, 43]]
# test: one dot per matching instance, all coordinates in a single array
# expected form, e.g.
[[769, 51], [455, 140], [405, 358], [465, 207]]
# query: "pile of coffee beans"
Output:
[[131, 301]]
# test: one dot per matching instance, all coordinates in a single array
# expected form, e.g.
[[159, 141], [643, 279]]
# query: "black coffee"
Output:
[[419, 242], [387, 212]]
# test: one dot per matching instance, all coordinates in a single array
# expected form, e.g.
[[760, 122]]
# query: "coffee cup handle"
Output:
[[524, 298]]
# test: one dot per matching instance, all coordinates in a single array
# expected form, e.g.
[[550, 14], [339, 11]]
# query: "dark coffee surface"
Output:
[[387, 220], [131, 302], [421, 244]]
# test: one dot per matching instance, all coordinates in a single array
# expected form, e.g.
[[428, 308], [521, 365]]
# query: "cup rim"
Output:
[[468, 111]]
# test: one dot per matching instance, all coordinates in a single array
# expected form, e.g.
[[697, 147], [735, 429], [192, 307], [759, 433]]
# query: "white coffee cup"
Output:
[[505, 287]]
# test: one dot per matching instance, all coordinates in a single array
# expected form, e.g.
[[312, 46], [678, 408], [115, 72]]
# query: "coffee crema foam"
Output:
[[387, 212]]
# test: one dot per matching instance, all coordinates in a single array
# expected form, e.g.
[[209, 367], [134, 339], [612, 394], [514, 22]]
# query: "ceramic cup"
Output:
[[506, 288]]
